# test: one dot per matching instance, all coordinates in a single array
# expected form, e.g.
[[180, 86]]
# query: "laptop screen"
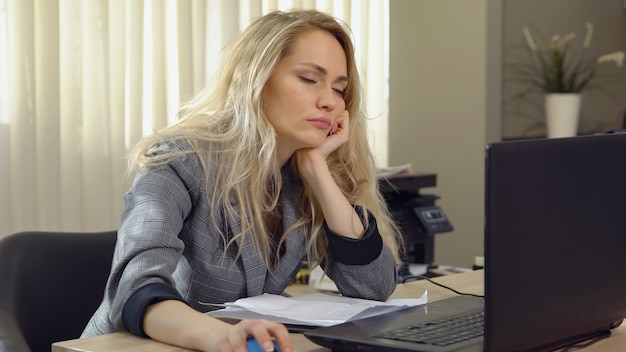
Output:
[[555, 240]]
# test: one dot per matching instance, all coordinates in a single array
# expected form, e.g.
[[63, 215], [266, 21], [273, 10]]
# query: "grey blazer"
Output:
[[166, 236]]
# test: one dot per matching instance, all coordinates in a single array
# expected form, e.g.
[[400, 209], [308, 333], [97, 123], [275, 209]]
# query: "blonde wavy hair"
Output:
[[228, 124]]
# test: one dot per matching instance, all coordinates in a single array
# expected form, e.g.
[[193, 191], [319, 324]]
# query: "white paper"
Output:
[[315, 309]]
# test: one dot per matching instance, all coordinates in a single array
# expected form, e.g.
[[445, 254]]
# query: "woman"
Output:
[[269, 170]]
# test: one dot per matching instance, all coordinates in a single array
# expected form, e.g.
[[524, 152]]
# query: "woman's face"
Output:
[[304, 94]]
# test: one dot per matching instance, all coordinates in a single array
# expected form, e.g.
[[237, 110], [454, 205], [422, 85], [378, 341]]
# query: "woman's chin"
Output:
[[314, 142]]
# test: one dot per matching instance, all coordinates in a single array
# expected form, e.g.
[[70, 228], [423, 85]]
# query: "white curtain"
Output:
[[82, 80]]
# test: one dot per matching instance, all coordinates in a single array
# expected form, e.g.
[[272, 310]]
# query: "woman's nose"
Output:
[[327, 99]]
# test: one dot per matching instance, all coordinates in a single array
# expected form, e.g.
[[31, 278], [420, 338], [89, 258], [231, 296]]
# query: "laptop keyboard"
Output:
[[440, 332]]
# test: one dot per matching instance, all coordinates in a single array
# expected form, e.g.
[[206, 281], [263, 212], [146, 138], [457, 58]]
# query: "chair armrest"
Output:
[[11, 338]]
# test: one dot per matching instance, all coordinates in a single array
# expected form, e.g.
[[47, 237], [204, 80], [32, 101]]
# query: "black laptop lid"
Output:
[[555, 240]]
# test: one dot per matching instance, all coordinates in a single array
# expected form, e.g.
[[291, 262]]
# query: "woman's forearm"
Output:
[[176, 323], [339, 214]]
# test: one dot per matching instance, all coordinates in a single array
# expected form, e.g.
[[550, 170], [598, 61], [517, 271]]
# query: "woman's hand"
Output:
[[234, 338], [338, 134], [309, 159]]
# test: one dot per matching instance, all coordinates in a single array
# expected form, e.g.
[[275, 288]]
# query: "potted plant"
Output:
[[561, 72]]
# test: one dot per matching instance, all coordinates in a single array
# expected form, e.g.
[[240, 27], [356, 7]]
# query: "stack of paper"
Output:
[[315, 309]]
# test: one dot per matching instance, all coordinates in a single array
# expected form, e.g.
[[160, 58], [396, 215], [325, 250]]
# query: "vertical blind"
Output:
[[82, 80]]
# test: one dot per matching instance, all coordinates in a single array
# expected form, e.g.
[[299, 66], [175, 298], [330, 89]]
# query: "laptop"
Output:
[[555, 244]]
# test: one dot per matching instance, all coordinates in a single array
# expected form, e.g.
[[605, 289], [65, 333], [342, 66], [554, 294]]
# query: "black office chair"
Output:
[[50, 285]]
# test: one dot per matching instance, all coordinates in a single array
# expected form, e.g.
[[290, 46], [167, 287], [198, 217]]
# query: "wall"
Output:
[[442, 58]]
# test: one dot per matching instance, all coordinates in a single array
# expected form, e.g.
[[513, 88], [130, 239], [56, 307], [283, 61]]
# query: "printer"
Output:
[[416, 214]]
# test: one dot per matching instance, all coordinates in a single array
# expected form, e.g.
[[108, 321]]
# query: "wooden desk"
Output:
[[471, 282]]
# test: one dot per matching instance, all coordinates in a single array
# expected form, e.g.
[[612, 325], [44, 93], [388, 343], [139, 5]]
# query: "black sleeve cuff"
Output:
[[137, 304], [351, 251]]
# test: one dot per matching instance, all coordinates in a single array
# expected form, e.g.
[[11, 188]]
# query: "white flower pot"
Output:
[[562, 114]]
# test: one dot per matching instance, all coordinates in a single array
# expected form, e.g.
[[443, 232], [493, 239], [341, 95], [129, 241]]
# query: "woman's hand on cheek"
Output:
[[311, 160], [338, 134]]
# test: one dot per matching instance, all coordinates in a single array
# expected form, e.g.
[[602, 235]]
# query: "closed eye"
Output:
[[313, 81], [307, 80]]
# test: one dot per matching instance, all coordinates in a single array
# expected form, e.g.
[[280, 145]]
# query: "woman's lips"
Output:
[[320, 122]]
